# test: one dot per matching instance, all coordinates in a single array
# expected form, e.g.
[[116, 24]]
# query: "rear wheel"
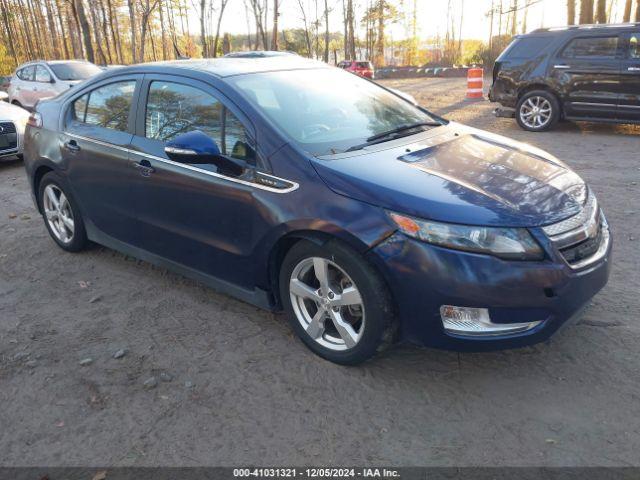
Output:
[[61, 214], [537, 111], [336, 302]]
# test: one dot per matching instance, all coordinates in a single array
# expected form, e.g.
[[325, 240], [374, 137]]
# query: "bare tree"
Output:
[[571, 12], [307, 35], [601, 11], [326, 32], [276, 14], [146, 10], [586, 11], [626, 17]]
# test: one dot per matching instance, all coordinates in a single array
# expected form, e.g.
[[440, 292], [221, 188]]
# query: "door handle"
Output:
[[634, 69], [144, 167], [562, 67], [72, 146]]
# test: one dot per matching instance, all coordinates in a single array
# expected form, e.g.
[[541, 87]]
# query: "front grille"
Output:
[[8, 137], [583, 238]]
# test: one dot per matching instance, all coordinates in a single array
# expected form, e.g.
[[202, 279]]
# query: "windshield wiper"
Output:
[[399, 132]]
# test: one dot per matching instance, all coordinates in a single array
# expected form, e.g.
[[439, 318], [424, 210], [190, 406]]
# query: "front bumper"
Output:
[[424, 277]]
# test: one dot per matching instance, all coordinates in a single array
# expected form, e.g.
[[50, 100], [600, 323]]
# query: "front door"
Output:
[[192, 214], [587, 71], [629, 106], [42, 86], [97, 134]]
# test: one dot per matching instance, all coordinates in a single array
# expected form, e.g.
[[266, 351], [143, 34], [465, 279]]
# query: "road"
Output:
[[242, 390]]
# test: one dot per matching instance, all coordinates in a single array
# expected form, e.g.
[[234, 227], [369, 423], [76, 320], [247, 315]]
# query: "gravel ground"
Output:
[[234, 387]]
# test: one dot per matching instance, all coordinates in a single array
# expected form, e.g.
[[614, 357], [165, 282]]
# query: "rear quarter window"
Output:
[[527, 47]]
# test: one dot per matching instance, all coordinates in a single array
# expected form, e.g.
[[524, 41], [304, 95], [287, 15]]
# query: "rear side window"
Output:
[[107, 106], [527, 47], [27, 73], [173, 108], [363, 64], [591, 47]]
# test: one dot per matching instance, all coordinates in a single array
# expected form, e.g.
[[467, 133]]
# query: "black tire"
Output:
[[378, 328], [554, 116], [78, 240]]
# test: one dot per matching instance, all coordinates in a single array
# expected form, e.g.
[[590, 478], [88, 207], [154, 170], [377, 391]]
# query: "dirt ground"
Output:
[[235, 387]]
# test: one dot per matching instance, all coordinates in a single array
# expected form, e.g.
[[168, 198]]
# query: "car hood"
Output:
[[458, 174], [12, 113]]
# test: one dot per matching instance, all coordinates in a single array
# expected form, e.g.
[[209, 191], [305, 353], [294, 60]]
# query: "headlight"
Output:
[[509, 243]]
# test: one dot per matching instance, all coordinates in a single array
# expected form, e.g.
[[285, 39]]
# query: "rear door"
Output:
[[587, 72], [42, 85], [629, 106], [24, 90], [95, 142]]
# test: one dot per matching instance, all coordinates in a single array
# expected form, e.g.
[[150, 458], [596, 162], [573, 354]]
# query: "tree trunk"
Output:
[[637, 19], [601, 11], [626, 18], [113, 26], [163, 31], [307, 36], [586, 12], [326, 32], [351, 30], [102, 58], [57, 51], [571, 12], [274, 41], [85, 30], [203, 33], [132, 21], [9, 30], [223, 5], [105, 31], [380, 39], [514, 18]]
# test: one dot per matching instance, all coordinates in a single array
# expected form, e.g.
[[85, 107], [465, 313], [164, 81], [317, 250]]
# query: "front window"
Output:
[[173, 109], [42, 75], [74, 70], [326, 110]]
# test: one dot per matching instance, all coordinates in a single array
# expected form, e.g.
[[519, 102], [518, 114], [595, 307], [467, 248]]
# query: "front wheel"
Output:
[[537, 111], [336, 302]]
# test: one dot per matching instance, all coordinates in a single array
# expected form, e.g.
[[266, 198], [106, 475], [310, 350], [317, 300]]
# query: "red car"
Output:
[[364, 69]]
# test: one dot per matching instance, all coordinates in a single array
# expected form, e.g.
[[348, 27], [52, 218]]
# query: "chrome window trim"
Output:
[[294, 185]]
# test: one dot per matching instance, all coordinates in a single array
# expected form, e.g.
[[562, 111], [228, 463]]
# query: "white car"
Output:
[[35, 81], [13, 119]]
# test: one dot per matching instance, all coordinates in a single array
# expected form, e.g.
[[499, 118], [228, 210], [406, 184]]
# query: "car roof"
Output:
[[229, 66], [587, 28]]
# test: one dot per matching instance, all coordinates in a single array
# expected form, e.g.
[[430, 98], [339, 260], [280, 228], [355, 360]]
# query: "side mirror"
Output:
[[197, 148], [52, 80]]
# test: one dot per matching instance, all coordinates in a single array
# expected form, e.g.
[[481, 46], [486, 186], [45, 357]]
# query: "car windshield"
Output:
[[328, 110], [74, 71]]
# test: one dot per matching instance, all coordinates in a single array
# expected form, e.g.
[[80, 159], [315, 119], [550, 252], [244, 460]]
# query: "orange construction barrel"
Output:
[[474, 83]]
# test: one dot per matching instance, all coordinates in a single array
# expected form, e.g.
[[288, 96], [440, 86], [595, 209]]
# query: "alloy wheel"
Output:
[[536, 112], [58, 213], [327, 303]]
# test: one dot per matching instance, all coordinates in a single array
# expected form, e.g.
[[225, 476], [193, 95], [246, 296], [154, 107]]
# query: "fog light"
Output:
[[476, 321]]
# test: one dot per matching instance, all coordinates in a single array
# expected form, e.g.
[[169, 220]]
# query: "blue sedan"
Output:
[[297, 186]]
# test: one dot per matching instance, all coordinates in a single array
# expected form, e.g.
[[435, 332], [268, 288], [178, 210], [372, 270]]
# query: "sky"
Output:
[[432, 15]]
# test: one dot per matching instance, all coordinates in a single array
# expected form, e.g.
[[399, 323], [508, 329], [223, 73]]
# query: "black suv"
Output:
[[586, 72]]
